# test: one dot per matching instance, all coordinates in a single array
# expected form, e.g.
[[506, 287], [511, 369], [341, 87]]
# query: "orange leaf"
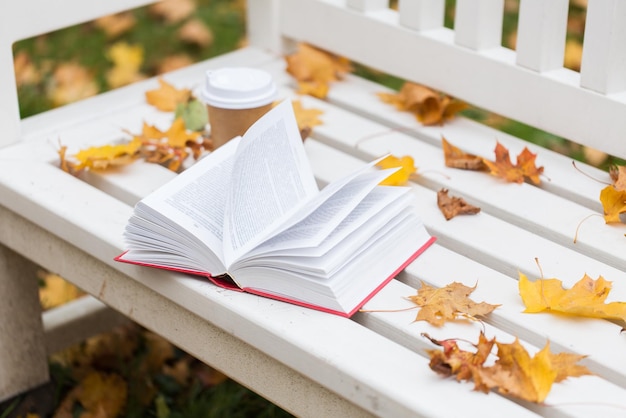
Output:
[[430, 107], [524, 167], [515, 373], [116, 24], [167, 97], [314, 69], [586, 298], [448, 304], [456, 158], [451, 206], [400, 177]]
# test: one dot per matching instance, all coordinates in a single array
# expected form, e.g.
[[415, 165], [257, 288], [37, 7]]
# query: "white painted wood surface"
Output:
[[541, 34], [478, 23], [421, 14], [318, 364], [603, 67]]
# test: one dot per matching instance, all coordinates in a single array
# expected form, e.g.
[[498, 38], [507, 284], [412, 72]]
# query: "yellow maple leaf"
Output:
[[402, 176], [177, 135], [306, 118], [613, 202], [127, 60], [586, 298], [107, 155]]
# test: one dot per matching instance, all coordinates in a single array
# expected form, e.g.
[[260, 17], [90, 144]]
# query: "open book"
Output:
[[250, 217]]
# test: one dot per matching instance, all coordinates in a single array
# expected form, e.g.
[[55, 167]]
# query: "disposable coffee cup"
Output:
[[236, 97]]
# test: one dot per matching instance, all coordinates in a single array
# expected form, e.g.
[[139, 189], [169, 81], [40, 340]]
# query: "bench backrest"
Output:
[[27, 18], [529, 85]]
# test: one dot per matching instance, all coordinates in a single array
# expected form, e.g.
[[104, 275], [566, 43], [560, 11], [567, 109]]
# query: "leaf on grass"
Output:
[[448, 304], [71, 82], [429, 106], [456, 158], [25, 70], [523, 169], [402, 176], [56, 291], [116, 24], [196, 32], [315, 69], [98, 395], [451, 206], [173, 11], [167, 97], [127, 60], [515, 373], [586, 298]]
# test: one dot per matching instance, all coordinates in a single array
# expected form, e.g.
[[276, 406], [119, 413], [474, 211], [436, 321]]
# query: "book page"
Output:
[[271, 179], [195, 200]]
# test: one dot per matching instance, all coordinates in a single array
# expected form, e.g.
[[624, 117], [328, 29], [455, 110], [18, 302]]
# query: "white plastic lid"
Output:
[[238, 88]]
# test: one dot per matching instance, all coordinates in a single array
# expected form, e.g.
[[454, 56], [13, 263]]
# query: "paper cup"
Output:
[[236, 97]]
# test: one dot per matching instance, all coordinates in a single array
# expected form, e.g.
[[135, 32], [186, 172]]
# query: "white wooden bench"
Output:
[[311, 363]]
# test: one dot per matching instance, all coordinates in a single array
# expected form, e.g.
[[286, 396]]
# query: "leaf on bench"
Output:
[[167, 97], [515, 373], [524, 168], [456, 158], [452, 206], [402, 176], [586, 298], [448, 304], [430, 107], [315, 69], [613, 196]]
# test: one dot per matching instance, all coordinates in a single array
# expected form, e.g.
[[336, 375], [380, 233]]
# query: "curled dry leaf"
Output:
[[429, 106], [448, 303], [515, 373], [451, 206], [524, 168], [315, 69], [403, 175], [586, 298], [456, 158]]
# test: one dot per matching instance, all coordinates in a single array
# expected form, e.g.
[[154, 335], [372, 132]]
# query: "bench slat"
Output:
[[603, 67], [478, 23], [541, 34], [421, 14]]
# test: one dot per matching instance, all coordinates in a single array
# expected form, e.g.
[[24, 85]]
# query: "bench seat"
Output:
[[308, 362]]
